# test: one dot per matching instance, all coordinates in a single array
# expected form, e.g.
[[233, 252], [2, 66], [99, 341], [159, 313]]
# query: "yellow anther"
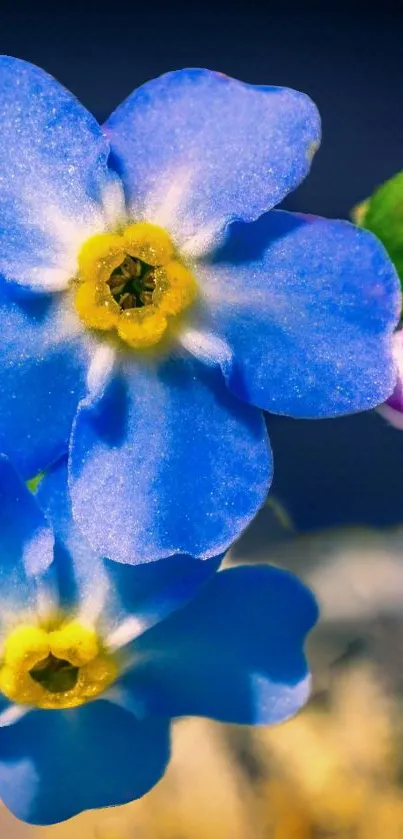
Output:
[[99, 256], [68, 699], [96, 306], [130, 282], [97, 675], [74, 643], [142, 328], [180, 290], [34, 659], [19, 687], [148, 242], [25, 646]]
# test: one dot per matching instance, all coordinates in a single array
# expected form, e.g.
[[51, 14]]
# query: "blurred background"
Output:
[[337, 503]]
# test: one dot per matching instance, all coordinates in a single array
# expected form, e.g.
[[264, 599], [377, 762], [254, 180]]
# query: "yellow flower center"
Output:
[[61, 668], [133, 283]]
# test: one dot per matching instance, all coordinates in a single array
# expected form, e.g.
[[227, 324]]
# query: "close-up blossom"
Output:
[[97, 657], [153, 302], [201, 394]]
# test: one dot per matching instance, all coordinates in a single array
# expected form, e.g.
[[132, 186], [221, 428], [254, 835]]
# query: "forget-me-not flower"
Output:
[[135, 311], [96, 658]]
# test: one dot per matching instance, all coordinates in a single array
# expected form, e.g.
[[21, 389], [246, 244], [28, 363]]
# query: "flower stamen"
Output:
[[131, 282], [56, 675], [61, 668]]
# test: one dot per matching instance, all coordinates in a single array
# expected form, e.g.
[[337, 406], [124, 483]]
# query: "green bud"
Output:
[[382, 214]]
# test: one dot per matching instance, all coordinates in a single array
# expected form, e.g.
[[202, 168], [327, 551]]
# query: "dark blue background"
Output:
[[349, 58]]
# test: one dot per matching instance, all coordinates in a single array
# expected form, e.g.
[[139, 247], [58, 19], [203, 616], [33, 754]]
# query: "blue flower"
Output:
[[148, 305], [95, 660]]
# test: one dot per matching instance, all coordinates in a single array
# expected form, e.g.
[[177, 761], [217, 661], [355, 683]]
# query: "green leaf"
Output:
[[382, 214]]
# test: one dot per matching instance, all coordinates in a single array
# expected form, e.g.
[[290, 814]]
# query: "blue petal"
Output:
[[26, 543], [82, 579], [169, 462], [306, 308], [235, 653], [56, 188], [196, 149], [141, 595], [145, 594], [55, 764], [43, 370]]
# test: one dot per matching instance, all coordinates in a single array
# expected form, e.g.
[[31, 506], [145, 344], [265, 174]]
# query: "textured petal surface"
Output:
[[82, 579], [235, 653], [197, 149], [43, 368], [305, 308], [167, 462], [125, 600], [55, 187], [54, 764], [26, 544]]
